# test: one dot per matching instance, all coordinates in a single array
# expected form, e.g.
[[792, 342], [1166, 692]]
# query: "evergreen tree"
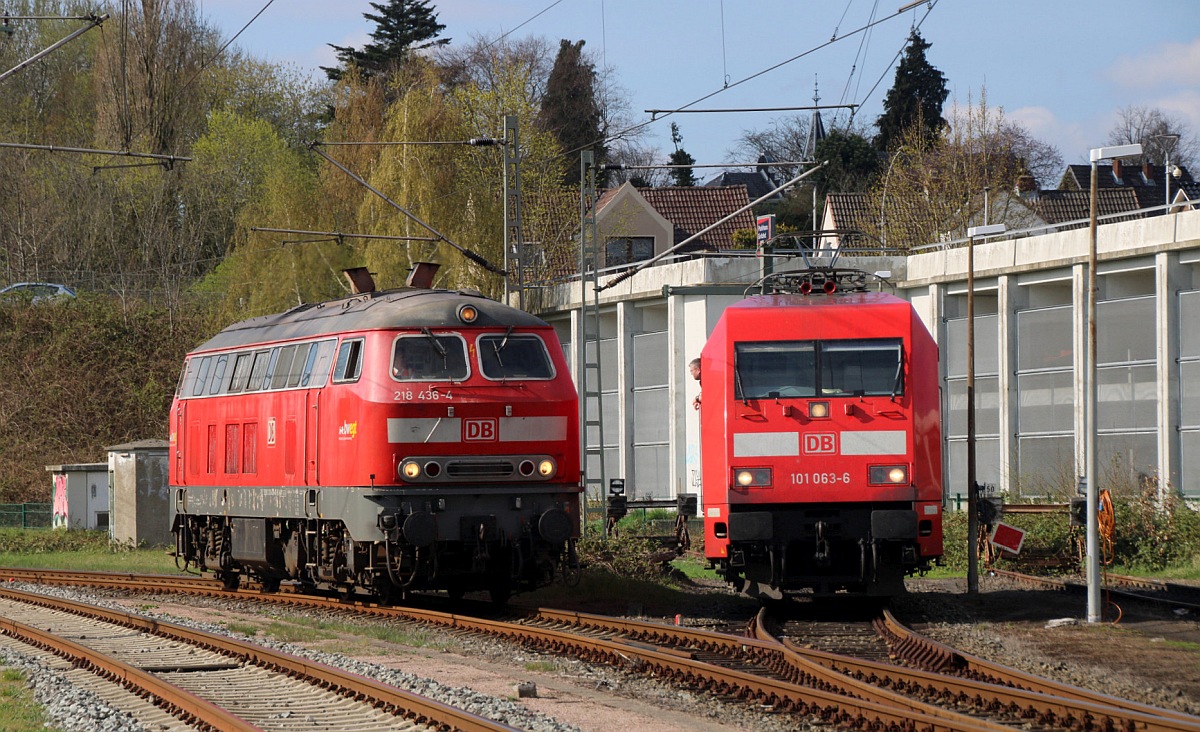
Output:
[[681, 176], [402, 26], [916, 97], [853, 164], [570, 110]]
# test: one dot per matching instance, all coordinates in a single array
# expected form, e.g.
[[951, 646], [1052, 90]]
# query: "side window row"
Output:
[[302, 365]]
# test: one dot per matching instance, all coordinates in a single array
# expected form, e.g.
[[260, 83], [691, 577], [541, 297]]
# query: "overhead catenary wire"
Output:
[[88, 151], [861, 29], [339, 235], [619, 134], [315, 147], [95, 21], [646, 263]]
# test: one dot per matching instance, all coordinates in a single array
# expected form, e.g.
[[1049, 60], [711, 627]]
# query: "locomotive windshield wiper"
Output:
[[737, 377], [441, 350], [896, 381], [498, 347]]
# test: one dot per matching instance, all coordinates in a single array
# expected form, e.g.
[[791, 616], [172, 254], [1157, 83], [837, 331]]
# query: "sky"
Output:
[[1062, 68]]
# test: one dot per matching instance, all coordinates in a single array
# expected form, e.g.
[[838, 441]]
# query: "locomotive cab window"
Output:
[[869, 367], [775, 370], [429, 357], [349, 362], [508, 356], [790, 369]]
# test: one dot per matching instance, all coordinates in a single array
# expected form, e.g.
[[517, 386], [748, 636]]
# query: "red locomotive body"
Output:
[[404, 440], [821, 441]]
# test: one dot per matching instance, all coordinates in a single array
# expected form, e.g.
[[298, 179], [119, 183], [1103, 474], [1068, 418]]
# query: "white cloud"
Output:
[[1072, 139], [1185, 105], [1168, 65]]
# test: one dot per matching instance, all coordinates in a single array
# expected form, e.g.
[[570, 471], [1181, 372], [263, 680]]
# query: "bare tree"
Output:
[[1156, 131], [784, 139], [935, 189]]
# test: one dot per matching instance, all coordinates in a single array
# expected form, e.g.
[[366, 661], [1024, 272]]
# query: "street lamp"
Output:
[[1170, 140], [972, 485], [1089, 445]]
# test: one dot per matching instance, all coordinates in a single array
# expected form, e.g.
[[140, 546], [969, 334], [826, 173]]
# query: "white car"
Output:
[[36, 291]]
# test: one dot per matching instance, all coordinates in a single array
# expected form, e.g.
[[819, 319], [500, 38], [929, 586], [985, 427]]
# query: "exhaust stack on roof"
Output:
[[422, 275], [360, 279]]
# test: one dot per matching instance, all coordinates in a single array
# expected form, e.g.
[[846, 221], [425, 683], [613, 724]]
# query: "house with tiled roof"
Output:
[[759, 182], [857, 222], [636, 224], [1071, 209], [1147, 181]]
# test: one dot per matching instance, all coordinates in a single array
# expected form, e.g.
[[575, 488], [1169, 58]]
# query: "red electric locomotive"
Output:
[[413, 439], [821, 439]]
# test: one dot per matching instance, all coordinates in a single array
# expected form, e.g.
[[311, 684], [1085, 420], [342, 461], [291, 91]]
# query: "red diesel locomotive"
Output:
[[821, 439], [413, 439]]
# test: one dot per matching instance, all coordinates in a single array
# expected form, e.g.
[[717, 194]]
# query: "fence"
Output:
[[25, 515]]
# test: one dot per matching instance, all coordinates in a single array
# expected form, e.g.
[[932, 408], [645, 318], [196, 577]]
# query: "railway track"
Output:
[[844, 680], [200, 680], [937, 674], [1159, 592]]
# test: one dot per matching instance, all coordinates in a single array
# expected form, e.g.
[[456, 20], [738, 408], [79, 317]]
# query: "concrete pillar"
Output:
[[1006, 327], [1167, 273], [1079, 326]]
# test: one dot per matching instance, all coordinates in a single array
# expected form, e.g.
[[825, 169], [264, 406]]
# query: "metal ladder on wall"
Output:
[[588, 365]]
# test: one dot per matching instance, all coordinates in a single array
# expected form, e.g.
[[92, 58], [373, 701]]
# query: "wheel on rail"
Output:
[[231, 580]]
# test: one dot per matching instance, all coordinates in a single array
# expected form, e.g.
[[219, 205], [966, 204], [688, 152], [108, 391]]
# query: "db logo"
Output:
[[479, 430], [820, 444]]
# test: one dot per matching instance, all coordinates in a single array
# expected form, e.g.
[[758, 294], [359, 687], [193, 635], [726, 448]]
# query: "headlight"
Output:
[[887, 475], [468, 313], [410, 470], [747, 477], [547, 468], [818, 410]]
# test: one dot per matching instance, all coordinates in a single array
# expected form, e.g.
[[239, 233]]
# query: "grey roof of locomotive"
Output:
[[402, 308]]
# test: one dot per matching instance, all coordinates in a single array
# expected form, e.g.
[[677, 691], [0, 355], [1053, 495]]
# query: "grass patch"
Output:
[[311, 630], [296, 632], [544, 667], [79, 550], [694, 568], [249, 629], [18, 710]]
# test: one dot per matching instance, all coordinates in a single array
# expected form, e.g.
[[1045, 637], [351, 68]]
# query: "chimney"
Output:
[[1116, 168], [360, 280], [1148, 172], [422, 275]]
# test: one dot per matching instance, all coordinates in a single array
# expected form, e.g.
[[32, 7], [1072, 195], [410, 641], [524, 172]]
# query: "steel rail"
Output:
[[1137, 715], [682, 666], [1120, 585], [403, 703], [1040, 700], [178, 702], [647, 637], [637, 655]]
